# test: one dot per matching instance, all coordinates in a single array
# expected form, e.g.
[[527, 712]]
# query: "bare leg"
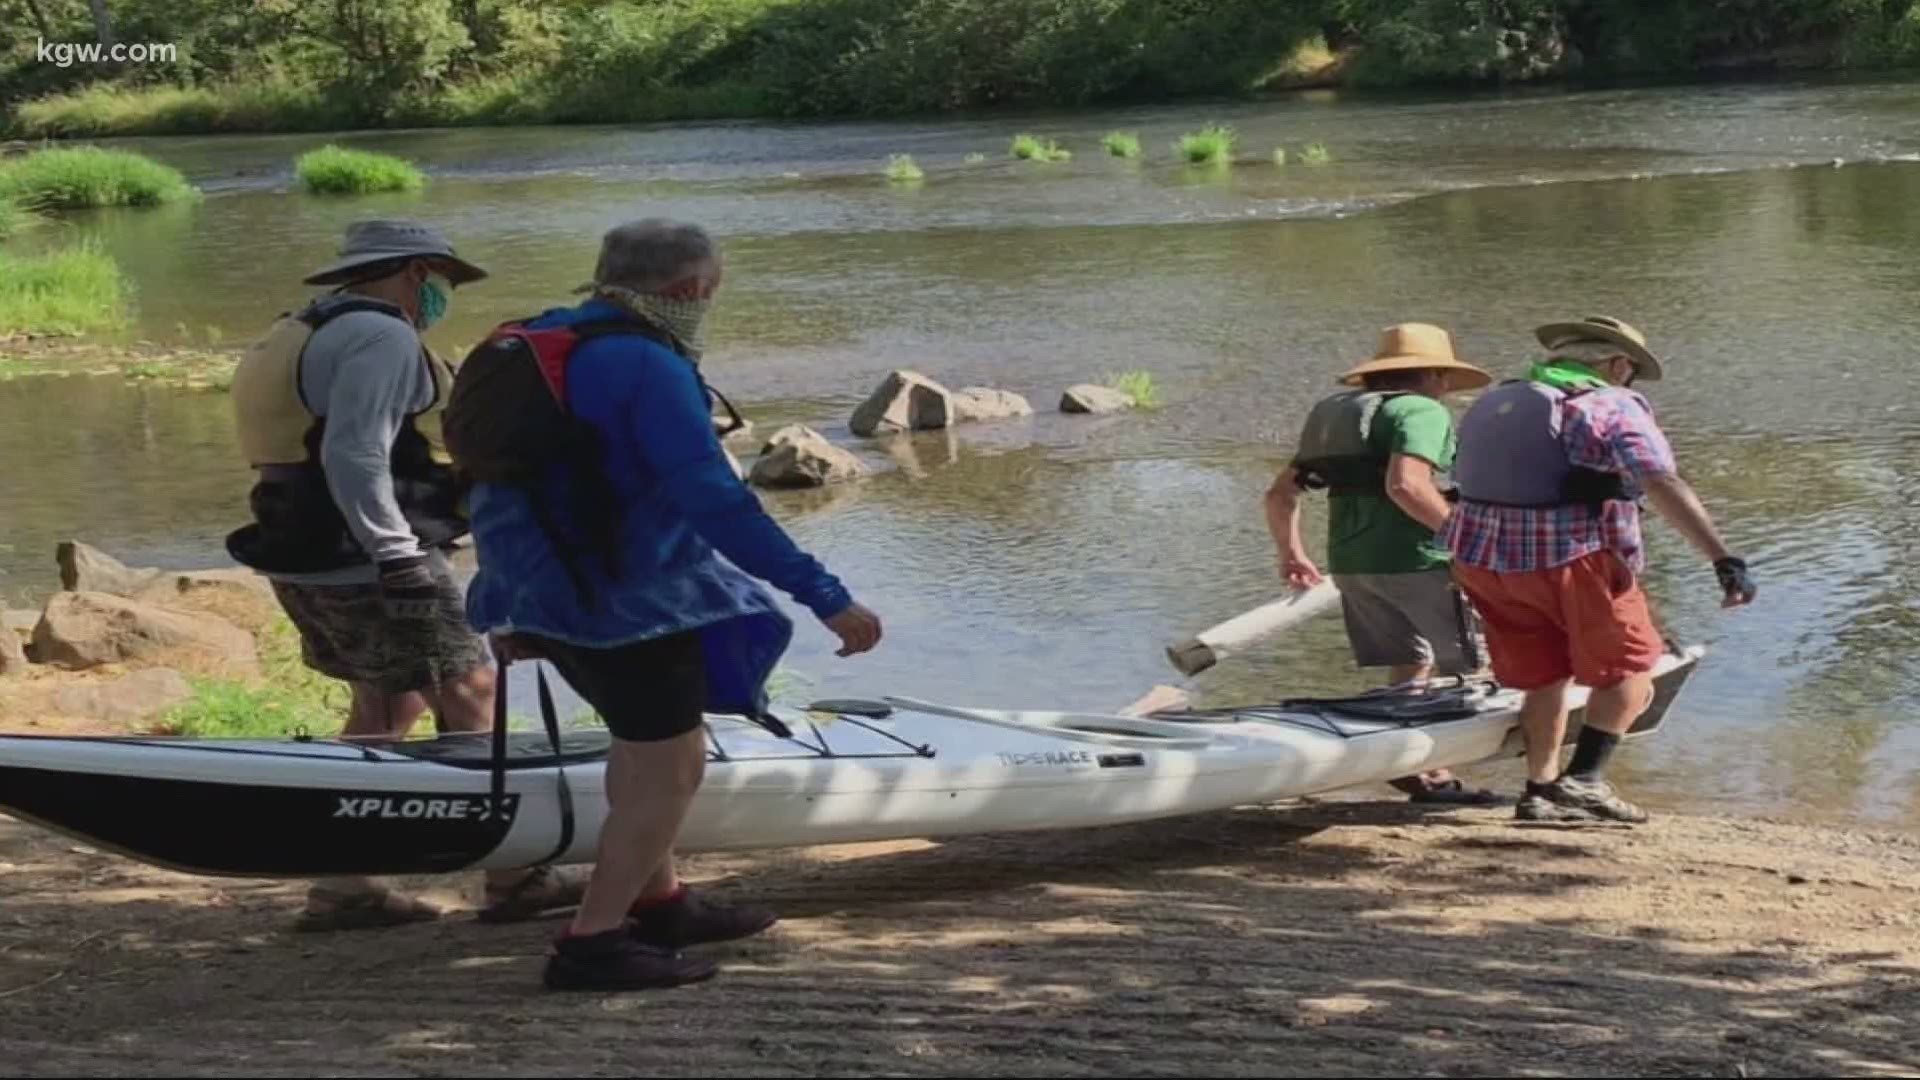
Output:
[[1400, 673], [1615, 708], [1543, 720], [465, 703], [1434, 779], [649, 788]]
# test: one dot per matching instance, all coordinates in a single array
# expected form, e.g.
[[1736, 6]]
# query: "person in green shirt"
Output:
[[1377, 448]]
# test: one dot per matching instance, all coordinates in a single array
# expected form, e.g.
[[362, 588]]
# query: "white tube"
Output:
[[1224, 639]]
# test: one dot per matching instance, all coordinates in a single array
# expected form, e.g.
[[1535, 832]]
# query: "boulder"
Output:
[[904, 401], [1088, 398], [13, 653], [85, 568], [977, 403], [85, 629], [126, 700], [798, 456]]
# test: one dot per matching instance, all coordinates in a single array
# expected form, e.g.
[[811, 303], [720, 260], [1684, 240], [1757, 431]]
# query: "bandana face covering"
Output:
[[681, 318], [1562, 375]]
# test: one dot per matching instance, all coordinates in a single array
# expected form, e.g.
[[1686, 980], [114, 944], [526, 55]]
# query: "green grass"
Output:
[[1280, 156], [13, 216], [1208, 146], [289, 697], [79, 177], [901, 169], [61, 292], [1122, 144], [337, 170], [1138, 385], [1316, 154], [1031, 148], [267, 103]]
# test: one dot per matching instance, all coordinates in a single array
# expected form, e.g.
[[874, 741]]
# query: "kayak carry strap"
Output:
[[550, 716], [500, 743]]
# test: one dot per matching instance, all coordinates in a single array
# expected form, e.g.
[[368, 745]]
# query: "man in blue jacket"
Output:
[[673, 629]]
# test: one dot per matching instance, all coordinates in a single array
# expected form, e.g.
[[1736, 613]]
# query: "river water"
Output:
[[1764, 237]]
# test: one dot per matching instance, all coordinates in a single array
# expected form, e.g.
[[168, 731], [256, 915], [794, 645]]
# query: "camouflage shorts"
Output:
[[347, 634]]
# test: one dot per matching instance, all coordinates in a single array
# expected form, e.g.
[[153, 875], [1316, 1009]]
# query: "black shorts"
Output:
[[648, 691]]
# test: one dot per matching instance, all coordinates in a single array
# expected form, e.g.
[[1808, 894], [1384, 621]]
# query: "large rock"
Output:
[[798, 456], [85, 568], [84, 629], [905, 401], [976, 403], [13, 653], [126, 700], [1088, 398]]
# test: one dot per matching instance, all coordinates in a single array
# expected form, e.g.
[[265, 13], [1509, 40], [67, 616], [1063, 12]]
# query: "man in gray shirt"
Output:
[[338, 408]]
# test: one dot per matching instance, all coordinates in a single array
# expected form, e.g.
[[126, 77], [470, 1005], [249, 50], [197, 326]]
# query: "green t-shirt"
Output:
[[1368, 534]]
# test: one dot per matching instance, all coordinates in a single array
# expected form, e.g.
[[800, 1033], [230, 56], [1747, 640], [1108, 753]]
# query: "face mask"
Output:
[[681, 318], [433, 302]]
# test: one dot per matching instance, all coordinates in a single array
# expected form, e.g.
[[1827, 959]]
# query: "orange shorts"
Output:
[[1586, 619]]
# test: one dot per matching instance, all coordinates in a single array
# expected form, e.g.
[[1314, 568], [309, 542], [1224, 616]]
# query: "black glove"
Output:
[[407, 588], [1735, 582]]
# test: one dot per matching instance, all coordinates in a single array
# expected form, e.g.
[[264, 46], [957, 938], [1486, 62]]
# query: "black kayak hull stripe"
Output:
[[247, 830]]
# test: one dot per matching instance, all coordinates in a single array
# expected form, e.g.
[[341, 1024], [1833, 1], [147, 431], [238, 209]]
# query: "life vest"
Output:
[[1510, 453], [508, 424], [297, 527], [1336, 449]]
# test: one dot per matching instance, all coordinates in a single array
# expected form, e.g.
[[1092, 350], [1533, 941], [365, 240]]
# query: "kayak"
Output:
[[832, 772]]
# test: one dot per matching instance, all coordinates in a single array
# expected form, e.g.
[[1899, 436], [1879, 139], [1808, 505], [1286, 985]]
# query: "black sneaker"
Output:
[[689, 919], [614, 960], [1595, 798]]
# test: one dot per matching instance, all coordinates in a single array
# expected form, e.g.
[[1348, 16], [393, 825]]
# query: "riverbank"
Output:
[[1341, 938], [506, 63], [179, 366]]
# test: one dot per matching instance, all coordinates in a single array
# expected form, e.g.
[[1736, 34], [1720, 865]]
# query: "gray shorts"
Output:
[[1420, 618], [347, 634]]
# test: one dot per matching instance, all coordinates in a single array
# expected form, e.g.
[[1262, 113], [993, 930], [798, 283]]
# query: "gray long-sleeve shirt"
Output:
[[362, 371]]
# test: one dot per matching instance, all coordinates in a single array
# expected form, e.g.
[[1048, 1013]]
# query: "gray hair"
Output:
[[650, 254]]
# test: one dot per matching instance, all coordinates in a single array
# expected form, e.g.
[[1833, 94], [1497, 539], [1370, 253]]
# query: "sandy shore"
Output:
[[1337, 938]]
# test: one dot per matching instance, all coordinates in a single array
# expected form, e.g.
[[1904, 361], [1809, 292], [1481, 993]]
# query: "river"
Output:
[[1764, 237]]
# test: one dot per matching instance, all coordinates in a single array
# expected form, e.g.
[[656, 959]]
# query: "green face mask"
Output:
[[433, 302], [1565, 376]]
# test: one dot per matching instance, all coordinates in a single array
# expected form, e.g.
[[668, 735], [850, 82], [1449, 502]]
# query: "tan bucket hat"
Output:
[[1605, 330], [377, 241], [1416, 346]]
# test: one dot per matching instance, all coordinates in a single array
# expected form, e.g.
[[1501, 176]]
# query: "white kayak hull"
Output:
[[292, 808]]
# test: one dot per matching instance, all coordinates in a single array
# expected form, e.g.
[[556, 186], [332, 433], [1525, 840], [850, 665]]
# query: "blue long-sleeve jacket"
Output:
[[688, 528]]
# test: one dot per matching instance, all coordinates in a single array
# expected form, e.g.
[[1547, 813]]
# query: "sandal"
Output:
[[1458, 794], [544, 889], [372, 910]]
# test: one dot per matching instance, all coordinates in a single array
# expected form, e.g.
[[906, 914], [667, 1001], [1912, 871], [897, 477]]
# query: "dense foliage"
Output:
[[253, 64]]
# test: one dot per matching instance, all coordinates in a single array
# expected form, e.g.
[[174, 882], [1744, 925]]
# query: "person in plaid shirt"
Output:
[[1546, 541]]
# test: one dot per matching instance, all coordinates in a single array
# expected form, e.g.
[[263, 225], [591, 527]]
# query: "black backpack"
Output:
[[507, 424]]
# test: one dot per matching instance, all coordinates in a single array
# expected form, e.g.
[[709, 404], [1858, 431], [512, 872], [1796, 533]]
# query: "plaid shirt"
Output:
[[1612, 430]]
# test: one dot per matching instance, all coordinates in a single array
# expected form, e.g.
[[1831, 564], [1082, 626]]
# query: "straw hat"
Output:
[[1604, 330], [1414, 347], [377, 241]]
